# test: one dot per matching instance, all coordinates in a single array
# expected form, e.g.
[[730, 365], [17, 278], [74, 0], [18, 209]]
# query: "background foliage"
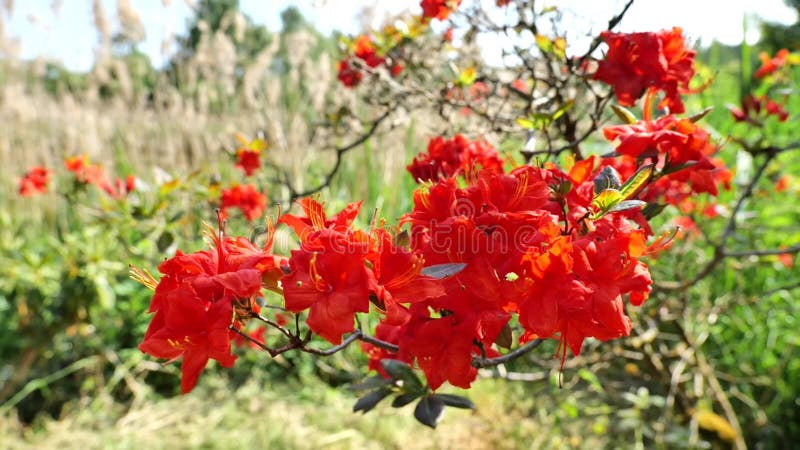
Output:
[[70, 318]]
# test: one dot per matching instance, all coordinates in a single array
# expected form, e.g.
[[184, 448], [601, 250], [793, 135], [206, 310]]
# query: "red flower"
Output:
[[501, 3], [245, 197], [248, 160], [448, 35], [349, 75], [753, 106], [365, 50], [34, 182], [438, 9], [316, 220], [447, 158], [331, 281], [397, 278], [783, 183], [637, 61], [771, 65], [194, 306]]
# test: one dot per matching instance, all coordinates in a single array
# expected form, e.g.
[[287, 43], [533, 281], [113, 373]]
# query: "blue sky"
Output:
[[70, 35]]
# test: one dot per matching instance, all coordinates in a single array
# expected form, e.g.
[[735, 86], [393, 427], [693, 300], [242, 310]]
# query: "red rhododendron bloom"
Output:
[[450, 157], [637, 61], [248, 160], [753, 107], [349, 75], [438, 9], [245, 197], [677, 145], [503, 2], [331, 281], [34, 182], [365, 49], [194, 305], [771, 65]]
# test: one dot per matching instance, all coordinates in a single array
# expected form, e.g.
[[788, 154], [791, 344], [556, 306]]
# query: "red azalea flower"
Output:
[[316, 220], [248, 160], [501, 3], [637, 61], [34, 182], [449, 157], [438, 9], [331, 281], [771, 65], [349, 75], [365, 50], [753, 107], [245, 197], [397, 278], [194, 307]]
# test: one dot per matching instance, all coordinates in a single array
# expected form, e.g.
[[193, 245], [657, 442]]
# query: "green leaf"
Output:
[[370, 383], [399, 370], [699, 116], [652, 210], [429, 410], [624, 114], [627, 204], [608, 178], [439, 271], [563, 109], [456, 401], [404, 399], [636, 182], [607, 200], [165, 241], [369, 401]]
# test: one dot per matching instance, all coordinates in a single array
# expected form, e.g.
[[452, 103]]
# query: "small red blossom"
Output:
[[248, 160], [448, 35], [501, 3], [783, 183], [771, 65], [34, 182], [245, 197], [438, 9], [755, 109], [365, 49], [349, 75], [449, 157]]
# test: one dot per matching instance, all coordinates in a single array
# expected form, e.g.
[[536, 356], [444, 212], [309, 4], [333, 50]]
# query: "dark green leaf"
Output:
[[429, 411], [399, 370], [456, 401], [440, 271], [370, 383], [164, 241], [652, 210], [367, 402], [404, 399]]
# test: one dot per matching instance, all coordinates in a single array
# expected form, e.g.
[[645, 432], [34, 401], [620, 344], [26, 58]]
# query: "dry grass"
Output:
[[277, 417]]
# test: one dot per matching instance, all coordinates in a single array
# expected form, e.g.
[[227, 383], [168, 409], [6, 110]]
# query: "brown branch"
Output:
[[480, 362]]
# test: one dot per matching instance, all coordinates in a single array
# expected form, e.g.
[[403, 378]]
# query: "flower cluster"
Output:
[[636, 62], [450, 157], [757, 108], [245, 197], [87, 173], [364, 52], [201, 297], [681, 151], [438, 9], [35, 181]]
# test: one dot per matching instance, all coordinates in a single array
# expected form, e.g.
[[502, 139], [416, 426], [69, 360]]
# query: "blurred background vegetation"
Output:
[[70, 318]]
